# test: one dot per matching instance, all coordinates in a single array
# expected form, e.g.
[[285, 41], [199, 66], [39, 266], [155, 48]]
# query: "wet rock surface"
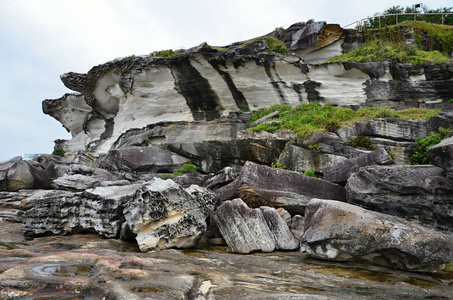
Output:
[[341, 231], [90, 267]]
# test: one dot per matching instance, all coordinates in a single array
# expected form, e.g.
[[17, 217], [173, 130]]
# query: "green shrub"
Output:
[[362, 142], [420, 155], [186, 168], [310, 173], [130, 57], [314, 146], [391, 154], [444, 132], [279, 28], [58, 152]]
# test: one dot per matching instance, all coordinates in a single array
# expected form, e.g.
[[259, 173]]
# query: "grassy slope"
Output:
[[381, 49], [308, 117]]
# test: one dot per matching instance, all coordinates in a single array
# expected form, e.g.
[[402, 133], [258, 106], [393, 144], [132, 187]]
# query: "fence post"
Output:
[[442, 19], [380, 22], [396, 19]]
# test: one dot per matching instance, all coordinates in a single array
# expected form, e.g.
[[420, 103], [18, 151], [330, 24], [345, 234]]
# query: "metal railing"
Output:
[[361, 24]]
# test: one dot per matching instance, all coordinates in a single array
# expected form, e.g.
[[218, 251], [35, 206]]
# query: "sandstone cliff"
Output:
[[207, 83]]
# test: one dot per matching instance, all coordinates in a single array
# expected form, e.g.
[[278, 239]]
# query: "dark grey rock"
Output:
[[441, 154], [302, 159], [17, 174], [221, 178], [418, 193], [247, 230], [137, 162], [259, 185], [397, 129], [341, 231], [341, 171]]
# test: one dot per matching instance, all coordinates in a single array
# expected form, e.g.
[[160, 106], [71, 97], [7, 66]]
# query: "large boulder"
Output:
[[341, 171], [141, 162], [341, 231], [81, 178], [17, 174], [301, 159], [412, 192], [247, 229], [158, 214], [163, 215], [259, 185], [57, 212]]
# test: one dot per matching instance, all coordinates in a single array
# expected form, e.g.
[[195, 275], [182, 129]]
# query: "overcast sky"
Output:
[[42, 39]]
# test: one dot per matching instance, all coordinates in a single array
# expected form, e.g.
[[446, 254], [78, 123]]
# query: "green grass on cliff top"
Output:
[[308, 117], [380, 49]]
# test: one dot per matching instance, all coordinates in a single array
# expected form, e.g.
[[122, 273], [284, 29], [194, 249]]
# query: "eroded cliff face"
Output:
[[207, 84]]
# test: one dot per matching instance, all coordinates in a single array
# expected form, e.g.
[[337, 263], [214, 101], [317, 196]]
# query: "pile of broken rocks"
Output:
[[393, 215]]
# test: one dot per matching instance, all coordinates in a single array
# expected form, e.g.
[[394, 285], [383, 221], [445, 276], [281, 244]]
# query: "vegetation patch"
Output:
[[58, 152], [362, 142], [130, 57], [442, 33], [165, 53], [215, 48], [420, 155], [310, 173], [382, 50], [274, 44], [309, 117], [186, 168]]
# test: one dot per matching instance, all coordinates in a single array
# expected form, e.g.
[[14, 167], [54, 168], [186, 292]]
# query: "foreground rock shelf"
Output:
[[90, 267]]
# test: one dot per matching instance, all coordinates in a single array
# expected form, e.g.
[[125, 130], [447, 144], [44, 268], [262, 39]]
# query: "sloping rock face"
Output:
[[259, 185], [419, 193], [207, 84], [251, 229], [337, 230], [340, 172]]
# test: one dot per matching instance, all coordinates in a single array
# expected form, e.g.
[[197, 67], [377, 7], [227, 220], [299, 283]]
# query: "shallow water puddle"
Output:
[[63, 270]]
